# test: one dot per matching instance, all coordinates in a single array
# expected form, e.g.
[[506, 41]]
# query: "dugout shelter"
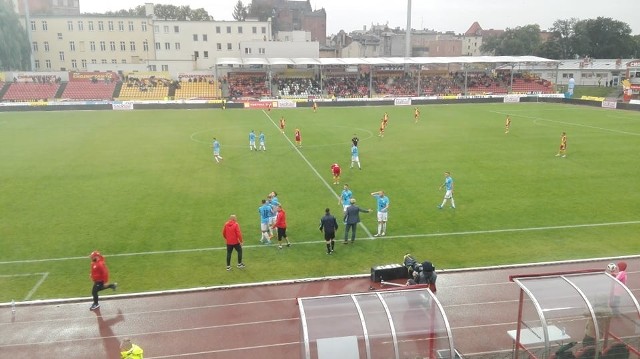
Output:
[[585, 314], [398, 324]]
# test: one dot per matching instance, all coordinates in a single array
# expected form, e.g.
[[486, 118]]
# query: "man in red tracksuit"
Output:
[[233, 236], [281, 225], [99, 276]]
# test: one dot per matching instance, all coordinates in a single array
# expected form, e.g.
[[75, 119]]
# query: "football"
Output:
[[612, 267]]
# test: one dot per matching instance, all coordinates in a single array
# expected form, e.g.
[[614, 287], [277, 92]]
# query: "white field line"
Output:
[[43, 276], [326, 184], [316, 242], [534, 118]]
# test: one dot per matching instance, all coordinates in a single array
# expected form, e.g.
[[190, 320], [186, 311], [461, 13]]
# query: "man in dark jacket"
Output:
[[351, 220], [330, 225]]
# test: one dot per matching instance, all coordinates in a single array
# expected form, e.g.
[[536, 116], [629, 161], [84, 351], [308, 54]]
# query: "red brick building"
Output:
[[296, 16]]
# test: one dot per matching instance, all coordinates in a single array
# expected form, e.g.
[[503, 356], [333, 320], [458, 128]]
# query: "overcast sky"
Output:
[[439, 15]]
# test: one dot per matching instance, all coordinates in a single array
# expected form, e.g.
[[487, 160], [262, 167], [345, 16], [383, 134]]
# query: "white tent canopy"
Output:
[[383, 60]]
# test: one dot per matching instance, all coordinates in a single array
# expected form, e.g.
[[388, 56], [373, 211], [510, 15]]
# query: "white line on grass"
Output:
[[326, 184], [534, 118], [315, 242], [43, 277]]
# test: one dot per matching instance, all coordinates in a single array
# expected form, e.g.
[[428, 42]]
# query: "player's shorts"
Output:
[[282, 233], [328, 235], [448, 194], [262, 143], [252, 143], [344, 207], [272, 221], [382, 216], [336, 173], [355, 159], [216, 153], [563, 147], [264, 227]]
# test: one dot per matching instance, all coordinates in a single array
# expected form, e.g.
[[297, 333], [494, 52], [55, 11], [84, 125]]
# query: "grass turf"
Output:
[[143, 188]]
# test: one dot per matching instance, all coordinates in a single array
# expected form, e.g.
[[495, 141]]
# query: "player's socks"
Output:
[[379, 228], [453, 204]]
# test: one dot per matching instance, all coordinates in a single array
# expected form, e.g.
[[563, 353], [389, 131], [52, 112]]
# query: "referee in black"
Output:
[[329, 224]]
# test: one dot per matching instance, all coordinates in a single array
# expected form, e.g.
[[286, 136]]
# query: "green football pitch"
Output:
[[142, 187]]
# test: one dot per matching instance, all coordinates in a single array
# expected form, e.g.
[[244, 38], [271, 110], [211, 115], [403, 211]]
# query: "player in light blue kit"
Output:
[[266, 212], [355, 158], [383, 210], [262, 141], [345, 197], [252, 141], [448, 186], [216, 150], [272, 200]]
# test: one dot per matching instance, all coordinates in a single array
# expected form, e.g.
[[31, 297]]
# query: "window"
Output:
[[247, 50], [112, 45], [132, 45], [72, 46], [34, 46], [100, 25], [94, 61], [103, 46], [46, 46], [61, 53], [36, 63], [229, 46], [196, 55], [144, 26], [44, 26], [164, 68], [59, 36], [239, 29], [167, 46], [33, 25], [74, 64], [228, 29], [120, 25], [110, 25], [177, 46], [204, 37], [254, 30], [114, 61], [217, 29], [176, 29], [103, 61], [261, 50], [84, 63], [92, 45], [80, 26], [70, 25], [156, 28], [219, 46], [195, 37], [131, 27], [145, 46], [152, 67], [124, 61], [123, 46], [205, 54], [166, 29], [158, 46], [90, 25], [264, 29], [47, 64]]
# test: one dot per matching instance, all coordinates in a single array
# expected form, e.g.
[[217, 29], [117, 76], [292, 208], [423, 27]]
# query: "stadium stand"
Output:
[[149, 87], [247, 84], [27, 92], [76, 90], [196, 87], [297, 87]]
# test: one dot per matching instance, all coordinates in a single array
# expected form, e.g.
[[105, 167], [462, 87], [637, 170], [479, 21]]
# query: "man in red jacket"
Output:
[[99, 276], [233, 236], [281, 225]]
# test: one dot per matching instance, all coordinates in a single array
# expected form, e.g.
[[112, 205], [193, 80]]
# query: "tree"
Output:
[[520, 41], [603, 38], [562, 40], [167, 12], [636, 39], [15, 50], [240, 11]]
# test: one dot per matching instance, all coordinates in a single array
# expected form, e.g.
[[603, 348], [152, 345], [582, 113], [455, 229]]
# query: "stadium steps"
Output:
[[61, 89], [116, 91], [4, 89]]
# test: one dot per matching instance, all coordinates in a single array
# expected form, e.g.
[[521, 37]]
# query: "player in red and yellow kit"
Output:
[[335, 171], [382, 127], [563, 146], [416, 114], [282, 123], [315, 106], [507, 124], [298, 138]]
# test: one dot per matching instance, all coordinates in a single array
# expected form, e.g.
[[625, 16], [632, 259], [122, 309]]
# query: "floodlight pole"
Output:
[[407, 38]]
